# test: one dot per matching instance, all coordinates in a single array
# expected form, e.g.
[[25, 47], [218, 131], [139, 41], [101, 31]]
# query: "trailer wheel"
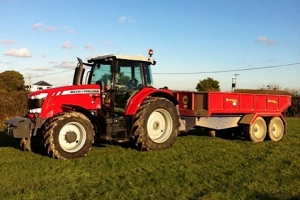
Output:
[[156, 124], [69, 135], [275, 129], [257, 131], [211, 132]]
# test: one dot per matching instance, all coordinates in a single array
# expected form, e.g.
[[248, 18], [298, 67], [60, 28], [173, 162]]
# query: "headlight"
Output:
[[35, 103], [39, 96], [35, 110]]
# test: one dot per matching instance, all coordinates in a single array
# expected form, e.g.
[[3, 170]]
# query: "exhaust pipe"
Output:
[[79, 71]]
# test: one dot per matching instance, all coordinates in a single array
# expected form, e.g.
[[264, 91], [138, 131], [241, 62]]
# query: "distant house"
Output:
[[41, 85]]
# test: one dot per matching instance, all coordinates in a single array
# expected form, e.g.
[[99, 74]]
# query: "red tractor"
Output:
[[117, 102]]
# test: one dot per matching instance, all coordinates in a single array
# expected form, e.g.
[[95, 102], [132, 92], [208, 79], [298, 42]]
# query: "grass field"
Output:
[[196, 167]]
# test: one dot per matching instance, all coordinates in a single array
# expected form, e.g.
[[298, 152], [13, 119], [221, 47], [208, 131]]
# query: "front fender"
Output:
[[137, 99]]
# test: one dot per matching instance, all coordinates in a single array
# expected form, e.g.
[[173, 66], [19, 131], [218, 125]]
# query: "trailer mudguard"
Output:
[[248, 119]]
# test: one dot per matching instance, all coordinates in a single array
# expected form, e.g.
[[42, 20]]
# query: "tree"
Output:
[[208, 84], [293, 91], [271, 86], [12, 81], [123, 79]]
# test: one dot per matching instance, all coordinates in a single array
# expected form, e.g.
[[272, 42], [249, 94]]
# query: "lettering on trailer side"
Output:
[[185, 101], [234, 101], [271, 101]]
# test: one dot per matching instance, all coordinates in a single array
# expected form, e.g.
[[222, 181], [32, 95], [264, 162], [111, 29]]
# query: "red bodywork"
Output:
[[84, 96], [221, 103], [88, 97]]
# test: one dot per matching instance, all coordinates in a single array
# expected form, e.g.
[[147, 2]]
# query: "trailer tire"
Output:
[[275, 129], [211, 132], [69, 135], [156, 124], [257, 131]]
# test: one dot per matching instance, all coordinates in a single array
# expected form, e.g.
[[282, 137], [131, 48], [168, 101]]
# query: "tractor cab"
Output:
[[120, 77]]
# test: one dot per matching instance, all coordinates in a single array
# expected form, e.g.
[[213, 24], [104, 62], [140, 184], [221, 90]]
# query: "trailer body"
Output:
[[223, 110]]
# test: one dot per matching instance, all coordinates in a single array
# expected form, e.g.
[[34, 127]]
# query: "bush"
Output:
[[12, 104]]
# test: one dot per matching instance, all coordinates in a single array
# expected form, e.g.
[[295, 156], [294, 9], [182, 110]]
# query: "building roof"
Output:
[[42, 83]]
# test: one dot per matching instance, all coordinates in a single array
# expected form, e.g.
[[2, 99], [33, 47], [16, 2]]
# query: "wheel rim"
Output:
[[159, 125], [72, 137], [259, 130], [276, 128]]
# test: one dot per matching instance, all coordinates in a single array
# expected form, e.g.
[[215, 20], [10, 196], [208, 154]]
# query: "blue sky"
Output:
[[42, 38]]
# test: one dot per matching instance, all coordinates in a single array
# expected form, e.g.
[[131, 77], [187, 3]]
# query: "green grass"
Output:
[[196, 167]]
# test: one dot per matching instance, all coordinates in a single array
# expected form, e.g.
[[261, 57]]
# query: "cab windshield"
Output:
[[129, 76]]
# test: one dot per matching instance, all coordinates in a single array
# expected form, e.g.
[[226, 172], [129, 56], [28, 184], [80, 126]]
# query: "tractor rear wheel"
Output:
[[156, 124], [69, 135], [275, 129], [257, 131]]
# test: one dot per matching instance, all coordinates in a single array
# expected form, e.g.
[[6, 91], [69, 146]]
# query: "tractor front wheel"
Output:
[[156, 124], [69, 135]]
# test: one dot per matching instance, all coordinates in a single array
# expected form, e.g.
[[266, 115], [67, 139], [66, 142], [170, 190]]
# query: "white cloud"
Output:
[[6, 41], [53, 62], [23, 52], [38, 25], [265, 40], [39, 69], [7, 63], [69, 30], [89, 46], [124, 19], [67, 45], [66, 64], [50, 29]]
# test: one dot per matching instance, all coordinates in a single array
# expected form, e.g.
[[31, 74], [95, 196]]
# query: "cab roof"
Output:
[[124, 57]]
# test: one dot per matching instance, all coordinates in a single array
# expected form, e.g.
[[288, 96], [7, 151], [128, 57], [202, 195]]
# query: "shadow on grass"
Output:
[[260, 195], [6, 141], [227, 134]]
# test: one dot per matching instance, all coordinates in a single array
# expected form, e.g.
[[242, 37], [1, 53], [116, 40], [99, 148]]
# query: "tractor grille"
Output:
[[35, 103]]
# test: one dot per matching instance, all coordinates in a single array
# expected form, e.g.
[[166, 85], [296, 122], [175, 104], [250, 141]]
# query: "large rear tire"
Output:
[[156, 124], [69, 135], [257, 131], [275, 129]]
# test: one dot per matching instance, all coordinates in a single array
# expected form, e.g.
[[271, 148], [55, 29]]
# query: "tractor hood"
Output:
[[50, 102], [65, 90]]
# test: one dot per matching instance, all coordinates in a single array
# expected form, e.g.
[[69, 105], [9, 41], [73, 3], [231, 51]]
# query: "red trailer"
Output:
[[257, 115]]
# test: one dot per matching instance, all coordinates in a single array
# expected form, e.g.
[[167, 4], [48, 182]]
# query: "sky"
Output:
[[259, 41]]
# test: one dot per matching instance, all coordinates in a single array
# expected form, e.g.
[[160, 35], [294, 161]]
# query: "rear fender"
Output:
[[136, 100]]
